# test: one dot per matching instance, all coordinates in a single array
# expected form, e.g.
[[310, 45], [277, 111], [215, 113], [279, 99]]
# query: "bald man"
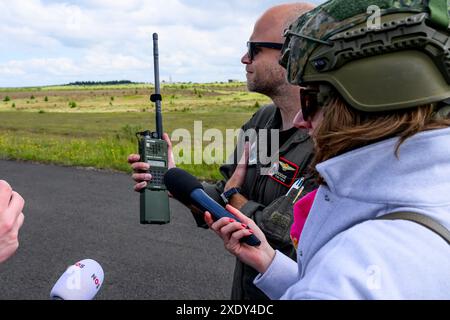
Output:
[[262, 197], [264, 73]]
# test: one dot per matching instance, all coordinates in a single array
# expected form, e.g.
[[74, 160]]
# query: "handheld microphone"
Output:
[[82, 281], [186, 188]]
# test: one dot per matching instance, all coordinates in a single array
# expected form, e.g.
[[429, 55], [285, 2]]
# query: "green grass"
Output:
[[96, 134], [205, 98], [95, 140]]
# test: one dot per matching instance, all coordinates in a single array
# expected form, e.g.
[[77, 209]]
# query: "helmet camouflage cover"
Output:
[[402, 62]]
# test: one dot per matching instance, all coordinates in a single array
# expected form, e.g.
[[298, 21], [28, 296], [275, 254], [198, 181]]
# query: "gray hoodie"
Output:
[[344, 254]]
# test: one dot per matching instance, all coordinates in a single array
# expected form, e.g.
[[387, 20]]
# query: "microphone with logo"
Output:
[[82, 281], [188, 190]]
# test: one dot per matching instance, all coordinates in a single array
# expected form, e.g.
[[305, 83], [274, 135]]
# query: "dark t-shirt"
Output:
[[285, 135]]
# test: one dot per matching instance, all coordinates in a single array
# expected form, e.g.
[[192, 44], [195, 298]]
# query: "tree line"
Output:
[[101, 83]]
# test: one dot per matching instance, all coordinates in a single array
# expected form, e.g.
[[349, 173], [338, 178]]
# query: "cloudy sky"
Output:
[[46, 42]]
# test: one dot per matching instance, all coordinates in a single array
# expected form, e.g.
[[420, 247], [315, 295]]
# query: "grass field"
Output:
[[95, 126]]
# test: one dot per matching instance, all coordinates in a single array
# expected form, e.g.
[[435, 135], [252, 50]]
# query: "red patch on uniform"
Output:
[[287, 173]]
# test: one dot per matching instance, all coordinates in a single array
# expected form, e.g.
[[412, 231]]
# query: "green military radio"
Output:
[[154, 206]]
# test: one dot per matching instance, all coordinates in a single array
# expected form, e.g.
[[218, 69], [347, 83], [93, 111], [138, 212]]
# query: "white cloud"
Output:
[[55, 41], [56, 67]]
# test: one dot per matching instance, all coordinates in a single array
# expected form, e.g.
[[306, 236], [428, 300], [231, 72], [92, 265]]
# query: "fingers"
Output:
[[240, 173], [236, 237], [137, 166], [17, 203], [231, 232], [246, 153], [214, 226], [140, 186], [5, 195], [169, 151], [141, 177], [9, 216], [140, 167], [14, 232], [132, 158], [219, 224], [226, 227], [20, 220], [209, 219], [166, 138], [11, 220], [245, 156], [232, 227], [142, 180], [239, 215], [9, 241]]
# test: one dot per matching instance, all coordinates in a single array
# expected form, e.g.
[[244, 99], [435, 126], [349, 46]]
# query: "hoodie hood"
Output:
[[419, 176]]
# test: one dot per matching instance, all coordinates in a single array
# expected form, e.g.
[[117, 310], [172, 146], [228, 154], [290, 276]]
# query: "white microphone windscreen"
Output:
[[82, 281]]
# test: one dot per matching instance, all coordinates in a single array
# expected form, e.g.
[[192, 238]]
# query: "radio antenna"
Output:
[[156, 97]]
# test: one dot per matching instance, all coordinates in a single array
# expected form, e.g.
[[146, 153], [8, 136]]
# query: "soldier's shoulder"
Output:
[[269, 109], [263, 115]]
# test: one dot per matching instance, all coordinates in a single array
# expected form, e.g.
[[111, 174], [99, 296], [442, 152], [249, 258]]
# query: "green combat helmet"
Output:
[[402, 62]]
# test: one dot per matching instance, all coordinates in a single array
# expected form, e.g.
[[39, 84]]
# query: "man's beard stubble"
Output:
[[268, 85]]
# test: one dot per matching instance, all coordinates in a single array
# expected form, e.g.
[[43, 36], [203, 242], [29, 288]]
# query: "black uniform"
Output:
[[267, 205]]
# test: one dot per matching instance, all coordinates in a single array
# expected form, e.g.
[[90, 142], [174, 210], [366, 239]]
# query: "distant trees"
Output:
[[100, 83]]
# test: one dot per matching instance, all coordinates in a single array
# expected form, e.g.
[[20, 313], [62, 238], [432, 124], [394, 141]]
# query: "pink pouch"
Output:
[[301, 212]]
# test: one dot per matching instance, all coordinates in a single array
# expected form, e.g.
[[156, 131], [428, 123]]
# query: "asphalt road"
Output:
[[73, 214]]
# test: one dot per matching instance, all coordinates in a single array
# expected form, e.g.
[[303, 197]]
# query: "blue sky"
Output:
[[45, 42]]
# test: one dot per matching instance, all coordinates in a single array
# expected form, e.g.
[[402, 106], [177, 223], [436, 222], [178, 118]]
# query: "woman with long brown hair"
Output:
[[374, 96]]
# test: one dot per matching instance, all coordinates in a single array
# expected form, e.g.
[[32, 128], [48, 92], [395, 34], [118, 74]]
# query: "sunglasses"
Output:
[[309, 101], [254, 47]]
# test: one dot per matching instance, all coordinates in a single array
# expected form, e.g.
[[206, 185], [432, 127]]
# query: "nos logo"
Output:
[[96, 281], [73, 281]]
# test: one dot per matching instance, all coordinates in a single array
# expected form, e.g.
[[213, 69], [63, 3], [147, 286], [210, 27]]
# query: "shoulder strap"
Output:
[[421, 219]]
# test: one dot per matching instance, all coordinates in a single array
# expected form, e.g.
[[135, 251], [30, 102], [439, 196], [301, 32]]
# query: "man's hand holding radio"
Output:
[[141, 169]]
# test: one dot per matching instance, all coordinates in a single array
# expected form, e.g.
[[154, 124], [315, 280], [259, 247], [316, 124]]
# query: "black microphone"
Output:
[[188, 190]]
